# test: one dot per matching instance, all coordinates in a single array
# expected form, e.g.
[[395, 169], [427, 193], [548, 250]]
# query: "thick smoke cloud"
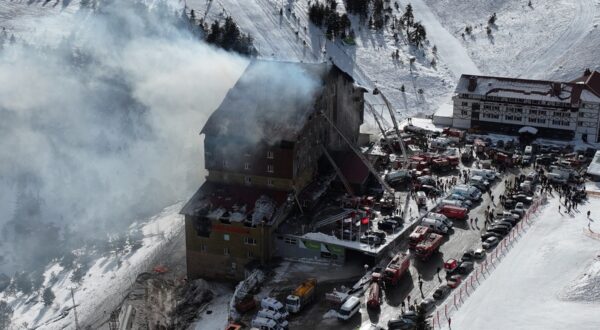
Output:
[[99, 123]]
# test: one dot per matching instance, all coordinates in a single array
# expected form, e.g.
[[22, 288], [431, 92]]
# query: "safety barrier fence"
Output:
[[483, 269]]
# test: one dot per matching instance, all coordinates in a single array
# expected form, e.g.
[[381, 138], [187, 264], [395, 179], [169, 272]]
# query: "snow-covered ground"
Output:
[[550, 39], [550, 279], [105, 283], [215, 314]]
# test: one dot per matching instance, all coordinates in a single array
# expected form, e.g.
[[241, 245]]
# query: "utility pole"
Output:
[[74, 310]]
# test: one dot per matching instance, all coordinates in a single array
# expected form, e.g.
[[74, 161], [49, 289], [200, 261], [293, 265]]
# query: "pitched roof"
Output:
[[586, 88], [271, 101]]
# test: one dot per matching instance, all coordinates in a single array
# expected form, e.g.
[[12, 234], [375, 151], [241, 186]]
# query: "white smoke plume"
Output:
[[99, 125]]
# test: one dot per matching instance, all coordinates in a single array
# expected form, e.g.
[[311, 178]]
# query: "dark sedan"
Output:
[[441, 292]]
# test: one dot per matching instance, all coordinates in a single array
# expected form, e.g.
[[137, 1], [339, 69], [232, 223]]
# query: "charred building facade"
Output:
[[261, 148], [556, 109]]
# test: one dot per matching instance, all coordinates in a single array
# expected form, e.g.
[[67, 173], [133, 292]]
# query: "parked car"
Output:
[[509, 203], [401, 324], [522, 198], [502, 230], [371, 240], [465, 268], [467, 256], [410, 315], [479, 254], [489, 234], [504, 214], [490, 243], [505, 226], [454, 281], [520, 207], [428, 304], [512, 220], [387, 224], [507, 223], [441, 292]]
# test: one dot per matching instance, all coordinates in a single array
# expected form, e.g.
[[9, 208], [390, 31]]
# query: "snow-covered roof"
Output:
[[568, 93], [594, 168]]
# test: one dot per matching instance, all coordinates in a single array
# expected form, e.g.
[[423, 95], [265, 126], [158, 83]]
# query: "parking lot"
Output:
[[511, 163]]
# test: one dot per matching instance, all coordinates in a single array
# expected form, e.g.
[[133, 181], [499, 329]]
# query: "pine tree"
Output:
[[492, 19], [48, 296], [78, 274], [488, 30], [408, 17], [214, 36], [231, 34], [192, 16], [402, 89], [434, 50]]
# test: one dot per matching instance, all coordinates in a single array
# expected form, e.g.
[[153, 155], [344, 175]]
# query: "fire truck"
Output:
[[429, 245], [417, 236], [396, 268]]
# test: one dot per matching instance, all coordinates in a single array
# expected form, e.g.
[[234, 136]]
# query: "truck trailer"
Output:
[[303, 295]]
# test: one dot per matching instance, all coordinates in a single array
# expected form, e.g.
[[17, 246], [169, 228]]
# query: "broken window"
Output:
[[246, 166], [270, 182], [226, 251], [270, 155], [270, 168], [248, 180]]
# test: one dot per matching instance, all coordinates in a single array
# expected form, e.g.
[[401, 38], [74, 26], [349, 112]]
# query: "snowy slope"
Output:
[[551, 39], [538, 284], [369, 62], [22, 16], [105, 284]]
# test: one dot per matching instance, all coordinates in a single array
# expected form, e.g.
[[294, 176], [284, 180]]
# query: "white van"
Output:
[[264, 323], [274, 305], [489, 175], [435, 225], [349, 308], [275, 316], [440, 217], [470, 192]]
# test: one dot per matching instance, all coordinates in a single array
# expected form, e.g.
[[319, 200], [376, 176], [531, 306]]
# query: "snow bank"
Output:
[[586, 287], [541, 282]]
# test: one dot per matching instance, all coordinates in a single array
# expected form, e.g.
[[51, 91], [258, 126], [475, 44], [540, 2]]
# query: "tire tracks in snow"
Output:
[[450, 49], [573, 35]]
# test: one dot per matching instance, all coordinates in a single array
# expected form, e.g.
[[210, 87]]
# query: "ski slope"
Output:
[[549, 40], [449, 48], [574, 32], [549, 280]]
